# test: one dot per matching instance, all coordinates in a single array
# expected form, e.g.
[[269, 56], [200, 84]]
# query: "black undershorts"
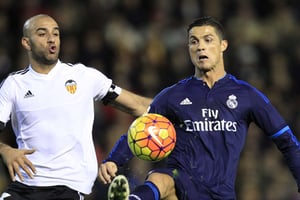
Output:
[[19, 191]]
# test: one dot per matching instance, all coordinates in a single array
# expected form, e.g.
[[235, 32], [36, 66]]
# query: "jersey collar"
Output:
[[46, 76]]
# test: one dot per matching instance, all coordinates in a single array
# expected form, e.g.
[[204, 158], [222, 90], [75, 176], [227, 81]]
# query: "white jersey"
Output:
[[54, 114]]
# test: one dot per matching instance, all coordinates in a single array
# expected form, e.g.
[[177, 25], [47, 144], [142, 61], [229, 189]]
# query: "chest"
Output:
[[40, 94], [215, 105]]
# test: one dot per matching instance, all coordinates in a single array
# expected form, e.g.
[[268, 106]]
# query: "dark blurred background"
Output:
[[142, 46]]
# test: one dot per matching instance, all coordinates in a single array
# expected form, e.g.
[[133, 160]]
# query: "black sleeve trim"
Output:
[[113, 92]]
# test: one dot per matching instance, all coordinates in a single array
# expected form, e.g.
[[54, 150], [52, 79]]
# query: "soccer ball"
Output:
[[151, 137]]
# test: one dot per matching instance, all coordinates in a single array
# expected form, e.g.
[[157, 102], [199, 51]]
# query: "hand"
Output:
[[16, 159], [107, 171]]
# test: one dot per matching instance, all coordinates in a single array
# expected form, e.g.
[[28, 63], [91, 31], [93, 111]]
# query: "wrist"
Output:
[[3, 148]]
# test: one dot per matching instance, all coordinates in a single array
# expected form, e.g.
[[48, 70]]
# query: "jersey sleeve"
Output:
[[6, 100], [101, 83], [160, 103], [289, 146], [120, 154], [267, 117], [264, 114]]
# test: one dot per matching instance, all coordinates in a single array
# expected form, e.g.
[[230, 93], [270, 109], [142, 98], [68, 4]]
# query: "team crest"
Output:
[[71, 86], [232, 102]]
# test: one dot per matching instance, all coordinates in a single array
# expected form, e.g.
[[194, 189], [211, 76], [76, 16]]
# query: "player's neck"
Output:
[[42, 68], [210, 77]]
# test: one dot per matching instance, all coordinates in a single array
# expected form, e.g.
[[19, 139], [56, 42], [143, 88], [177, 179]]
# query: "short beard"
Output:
[[43, 60]]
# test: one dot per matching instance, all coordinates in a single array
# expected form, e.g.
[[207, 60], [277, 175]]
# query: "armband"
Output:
[[113, 92]]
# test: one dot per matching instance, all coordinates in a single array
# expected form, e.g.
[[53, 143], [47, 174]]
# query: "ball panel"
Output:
[[154, 145], [163, 134], [141, 135], [146, 151], [139, 126]]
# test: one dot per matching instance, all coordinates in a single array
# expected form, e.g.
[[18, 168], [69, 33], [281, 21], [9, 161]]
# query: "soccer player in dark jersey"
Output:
[[211, 112]]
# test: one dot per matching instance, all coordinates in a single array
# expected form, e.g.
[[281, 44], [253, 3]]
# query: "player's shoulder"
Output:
[[78, 67], [186, 82], [15, 75], [176, 87], [247, 87], [73, 66], [20, 72], [239, 82]]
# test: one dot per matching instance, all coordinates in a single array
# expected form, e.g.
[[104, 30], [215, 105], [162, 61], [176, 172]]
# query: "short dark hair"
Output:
[[208, 21]]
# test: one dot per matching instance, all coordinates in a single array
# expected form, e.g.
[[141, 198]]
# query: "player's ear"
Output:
[[224, 45], [26, 43]]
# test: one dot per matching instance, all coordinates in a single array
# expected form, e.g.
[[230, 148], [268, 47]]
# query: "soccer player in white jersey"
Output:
[[51, 107]]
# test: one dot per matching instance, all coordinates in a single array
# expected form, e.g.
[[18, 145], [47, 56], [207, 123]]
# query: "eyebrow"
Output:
[[204, 36], [44, 29]]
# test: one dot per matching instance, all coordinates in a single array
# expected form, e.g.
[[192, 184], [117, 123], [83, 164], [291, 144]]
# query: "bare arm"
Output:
[[131, 103]]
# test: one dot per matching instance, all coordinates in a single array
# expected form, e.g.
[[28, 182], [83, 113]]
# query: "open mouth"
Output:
[[52, 49], [202, 57]]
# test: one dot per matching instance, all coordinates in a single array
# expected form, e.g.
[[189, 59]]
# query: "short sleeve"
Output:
[[101, 83], [6, 99]]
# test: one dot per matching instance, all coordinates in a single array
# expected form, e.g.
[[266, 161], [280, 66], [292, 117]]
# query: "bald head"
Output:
[[31, 23]]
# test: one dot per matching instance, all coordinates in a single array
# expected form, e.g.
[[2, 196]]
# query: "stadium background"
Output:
[[142, 45]]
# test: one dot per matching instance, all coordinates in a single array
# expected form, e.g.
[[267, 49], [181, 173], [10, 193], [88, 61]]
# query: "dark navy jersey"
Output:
[[212, 124]]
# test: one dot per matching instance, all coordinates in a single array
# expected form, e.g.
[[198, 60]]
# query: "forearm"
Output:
[[3, 148], [288, 144], [131, 103]]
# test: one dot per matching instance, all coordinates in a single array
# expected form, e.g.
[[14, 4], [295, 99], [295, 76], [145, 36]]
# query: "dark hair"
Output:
[[208, 21]]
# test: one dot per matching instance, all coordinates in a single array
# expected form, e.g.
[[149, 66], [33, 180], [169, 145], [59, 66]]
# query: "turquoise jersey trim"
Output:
[[286, 128], [154, 189]]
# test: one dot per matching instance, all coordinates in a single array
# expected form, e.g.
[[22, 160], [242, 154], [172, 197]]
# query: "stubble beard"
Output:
[[42, 59]]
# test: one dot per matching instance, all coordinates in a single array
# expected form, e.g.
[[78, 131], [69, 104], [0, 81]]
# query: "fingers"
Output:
[[104, 174], [17, 170], [11, 173], [28, 167], [107, 172], [25, 164], [29, 151], [16, 160], [29, 164]]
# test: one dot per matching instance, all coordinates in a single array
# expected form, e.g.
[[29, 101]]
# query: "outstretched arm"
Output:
[[131, 103], [126, 101]]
